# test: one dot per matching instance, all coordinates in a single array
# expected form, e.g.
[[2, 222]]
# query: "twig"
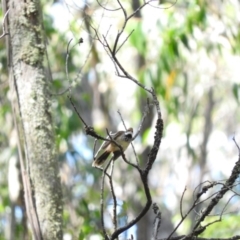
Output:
[[102, 199], [181, 202], [114, 197], [66, 63], [3, 25], [183, 217], [237, 237], [84, 123], [228, 185], [143, 211], [163, 7], [236, 145], [124, 41], [145, 113], [107, 9], [157, 221]]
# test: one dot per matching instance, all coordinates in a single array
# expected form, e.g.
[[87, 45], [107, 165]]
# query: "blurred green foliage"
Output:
[[170, 56]]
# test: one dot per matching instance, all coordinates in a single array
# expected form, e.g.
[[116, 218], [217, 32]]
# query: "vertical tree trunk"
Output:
[[30, 87]]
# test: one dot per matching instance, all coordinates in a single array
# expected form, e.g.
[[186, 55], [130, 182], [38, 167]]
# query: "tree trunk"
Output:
[[29, 88]]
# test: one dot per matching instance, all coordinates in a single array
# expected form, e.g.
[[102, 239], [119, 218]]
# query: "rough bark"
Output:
[[30, 86]]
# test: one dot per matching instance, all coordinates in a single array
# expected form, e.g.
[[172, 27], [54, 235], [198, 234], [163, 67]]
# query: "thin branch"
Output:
[[236, 145], [114, 197], [124, 41], [181, 202], [66, 61], [139, 8], [107, 9], [157, 221], [3, 25], [142, 213], [123, 27], [145, 113], [228, 185], [102, 199], [128, 76], [237, 237], [195, 203], [84, 123], [174, 3]]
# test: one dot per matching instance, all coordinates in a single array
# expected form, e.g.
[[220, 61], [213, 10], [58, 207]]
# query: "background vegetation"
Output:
[[189, 52]]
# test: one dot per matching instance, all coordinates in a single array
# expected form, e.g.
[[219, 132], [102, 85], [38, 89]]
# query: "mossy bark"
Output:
[[30, 85]]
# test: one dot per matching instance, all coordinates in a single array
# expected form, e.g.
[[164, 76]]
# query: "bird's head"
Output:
[[128, 133]]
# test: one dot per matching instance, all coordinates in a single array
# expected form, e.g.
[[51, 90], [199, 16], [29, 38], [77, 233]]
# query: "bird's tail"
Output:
[[100, 159]]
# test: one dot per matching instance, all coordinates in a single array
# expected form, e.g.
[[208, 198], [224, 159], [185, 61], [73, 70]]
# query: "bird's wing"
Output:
[[102, 148], [105, 144], [116, 135]]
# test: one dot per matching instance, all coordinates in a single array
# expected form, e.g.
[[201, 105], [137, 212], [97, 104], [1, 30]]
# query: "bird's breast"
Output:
[[122, 143]]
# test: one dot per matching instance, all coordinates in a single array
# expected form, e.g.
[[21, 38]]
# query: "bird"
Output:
[[122, 138]]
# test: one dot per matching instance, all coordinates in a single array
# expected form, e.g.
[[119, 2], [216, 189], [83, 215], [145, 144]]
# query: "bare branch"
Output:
[[121, 72], [181, 201], [236, 145], [228, 185], [107, 9], [142, 213], [3, 25], [237, 237], [157, 221], [124, 41], [145, 113], [174, 3], [102, 199], [114, 197]]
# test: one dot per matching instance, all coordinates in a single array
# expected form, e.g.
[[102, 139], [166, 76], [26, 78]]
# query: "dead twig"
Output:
[[3, 25], [102, 198], [157, 221], [181, 202]]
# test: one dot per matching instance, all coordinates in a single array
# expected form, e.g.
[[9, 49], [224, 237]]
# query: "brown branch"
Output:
[[183, 217], [157, 221], [144, 179], [107, 9], [113, 196], [124, 41], [157, 141], [228, 185], [142, 213], [121, 72], [102, 199], [237, 237]]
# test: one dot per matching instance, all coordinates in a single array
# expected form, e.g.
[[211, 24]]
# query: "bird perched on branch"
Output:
[[122, 138]]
